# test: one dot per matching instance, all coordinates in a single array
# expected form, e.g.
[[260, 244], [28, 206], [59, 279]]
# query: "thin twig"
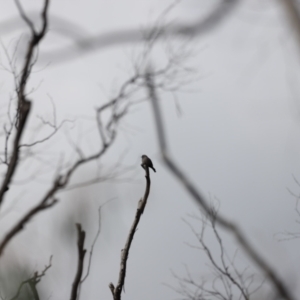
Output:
[[20, 225], [48, 137], [92, 247]]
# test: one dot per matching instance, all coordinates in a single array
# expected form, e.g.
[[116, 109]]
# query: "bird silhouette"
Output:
[[146, 162]]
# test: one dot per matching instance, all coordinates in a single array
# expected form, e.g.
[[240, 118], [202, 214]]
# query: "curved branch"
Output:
[[133, 35], [201, 201]]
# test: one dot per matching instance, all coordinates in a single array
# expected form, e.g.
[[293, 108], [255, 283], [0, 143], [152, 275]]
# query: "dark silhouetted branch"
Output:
[[48, 200], [20, 225], [81, 254], [118, 110], [24, 104], [116, 291], [223, 274]]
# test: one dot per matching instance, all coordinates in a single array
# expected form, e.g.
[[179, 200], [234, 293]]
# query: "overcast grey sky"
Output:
[[237, 139]]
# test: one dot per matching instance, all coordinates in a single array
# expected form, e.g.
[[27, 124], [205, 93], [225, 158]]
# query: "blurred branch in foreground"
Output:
[[32, 282], [169, 77], [84, 45], [201, 201]]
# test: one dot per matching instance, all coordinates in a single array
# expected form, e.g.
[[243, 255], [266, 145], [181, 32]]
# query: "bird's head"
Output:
[[144, 156]]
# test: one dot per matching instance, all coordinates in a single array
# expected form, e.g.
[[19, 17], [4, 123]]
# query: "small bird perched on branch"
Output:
[[146, 162]]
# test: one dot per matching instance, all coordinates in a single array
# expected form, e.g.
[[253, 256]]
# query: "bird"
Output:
[[146, 162]]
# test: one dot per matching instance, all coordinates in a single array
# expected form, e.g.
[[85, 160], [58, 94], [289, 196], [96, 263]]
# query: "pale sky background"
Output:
[[237, 139]]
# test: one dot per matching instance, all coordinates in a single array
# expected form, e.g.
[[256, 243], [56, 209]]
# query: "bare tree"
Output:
[[116, 109], [17, 148]]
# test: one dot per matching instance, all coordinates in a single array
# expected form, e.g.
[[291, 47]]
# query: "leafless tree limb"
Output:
[[48, 200], [115, 109], [81, 254], [118, 107], [115, 38], [93, 245], [201, 201], [227, 277], [116, 291], [24, 105], [49, 136]]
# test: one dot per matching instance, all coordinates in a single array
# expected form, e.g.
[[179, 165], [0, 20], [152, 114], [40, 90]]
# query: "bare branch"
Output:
[[25, 18], [201, 201], [81, 254], [48, 200], [24, 105], [62, 180], [48, 137], [116, 291]]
